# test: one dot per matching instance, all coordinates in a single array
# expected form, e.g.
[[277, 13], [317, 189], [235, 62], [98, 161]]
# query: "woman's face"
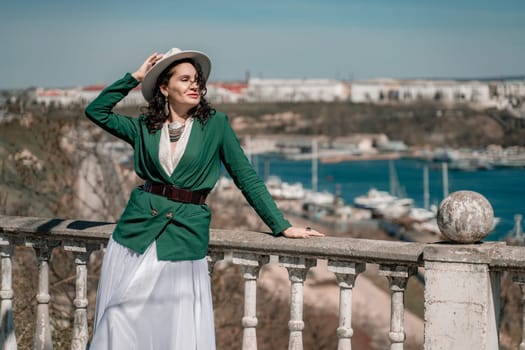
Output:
[[182, 89]]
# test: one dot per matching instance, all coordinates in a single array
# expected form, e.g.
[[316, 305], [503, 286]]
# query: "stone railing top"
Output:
[[56, 229], [21, 230], [225, 240], [334, 248]]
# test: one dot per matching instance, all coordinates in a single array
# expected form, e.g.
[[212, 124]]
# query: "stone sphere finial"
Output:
[[465, 217]]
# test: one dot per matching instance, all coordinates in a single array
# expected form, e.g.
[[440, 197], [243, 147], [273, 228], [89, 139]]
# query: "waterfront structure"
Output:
[[462, 281]]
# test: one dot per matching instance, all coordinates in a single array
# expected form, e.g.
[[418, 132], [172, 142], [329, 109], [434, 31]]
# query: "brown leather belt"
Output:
[[174, 193]]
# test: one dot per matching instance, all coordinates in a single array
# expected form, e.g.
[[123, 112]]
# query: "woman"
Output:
[[154, 290]]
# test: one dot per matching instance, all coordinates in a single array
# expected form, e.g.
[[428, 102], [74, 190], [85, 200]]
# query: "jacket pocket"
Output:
[[140, 207]]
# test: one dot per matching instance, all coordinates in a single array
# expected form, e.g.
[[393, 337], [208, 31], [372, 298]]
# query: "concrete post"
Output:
[[346, 273], [250, 265], [461, 293], [397, 276], [297, 269], [81, 251], [519, 278], [80, 324], [461, 299], [212, 258], [7, 326], [42, 340]]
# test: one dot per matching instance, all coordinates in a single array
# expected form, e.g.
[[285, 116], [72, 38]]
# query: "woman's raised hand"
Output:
[[300, 232], [140, 73]]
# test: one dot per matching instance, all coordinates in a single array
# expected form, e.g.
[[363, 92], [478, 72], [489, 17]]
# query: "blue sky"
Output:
[[69, 43]]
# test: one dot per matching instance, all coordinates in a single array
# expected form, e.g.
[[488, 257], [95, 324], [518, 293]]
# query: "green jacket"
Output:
[[180, 229]]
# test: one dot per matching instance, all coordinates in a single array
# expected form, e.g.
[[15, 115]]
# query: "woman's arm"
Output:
[[254, 189], [100, 111]]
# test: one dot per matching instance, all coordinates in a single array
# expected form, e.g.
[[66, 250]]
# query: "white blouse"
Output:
[[167, 160]]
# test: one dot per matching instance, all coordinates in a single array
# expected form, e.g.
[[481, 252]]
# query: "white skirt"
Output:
[[147, 304]]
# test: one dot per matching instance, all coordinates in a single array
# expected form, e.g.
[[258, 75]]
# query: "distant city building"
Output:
[[297, 90], [508, 93], [134, 97], [54, 97], [80, 96], [390, 90], [233, 92], [501, 94]]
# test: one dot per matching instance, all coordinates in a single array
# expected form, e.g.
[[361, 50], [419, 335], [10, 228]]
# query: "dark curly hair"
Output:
[[154, 112]]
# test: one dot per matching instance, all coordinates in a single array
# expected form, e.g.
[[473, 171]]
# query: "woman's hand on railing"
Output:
[[301, 232]]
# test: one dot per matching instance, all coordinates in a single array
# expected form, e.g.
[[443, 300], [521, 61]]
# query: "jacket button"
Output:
[[154, 212], [169, 215]]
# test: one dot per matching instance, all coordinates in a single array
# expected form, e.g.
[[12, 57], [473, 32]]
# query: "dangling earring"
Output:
[[167, 107]]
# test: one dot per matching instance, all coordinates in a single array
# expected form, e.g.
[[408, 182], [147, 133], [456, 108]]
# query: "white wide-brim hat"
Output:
[[150, 80]]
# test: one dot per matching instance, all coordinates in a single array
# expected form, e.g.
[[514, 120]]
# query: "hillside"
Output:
[[417, 125], [424, 124]]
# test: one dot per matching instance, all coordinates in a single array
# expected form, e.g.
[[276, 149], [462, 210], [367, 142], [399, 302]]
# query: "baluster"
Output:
[[250, 265], [522, 344], [397, 277], [80, 323], [213, 257], [42, 340], [7, 326], [520, 279], [297, 270], [346, 273]]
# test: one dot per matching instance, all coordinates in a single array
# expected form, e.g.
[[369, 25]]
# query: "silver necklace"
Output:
[[175, 130]]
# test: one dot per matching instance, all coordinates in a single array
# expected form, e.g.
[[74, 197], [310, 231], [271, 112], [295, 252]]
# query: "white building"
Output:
[[391, 90], [80, 96], [500, 94], [296, 90], [226, 92], [55, 97], [506, 88]]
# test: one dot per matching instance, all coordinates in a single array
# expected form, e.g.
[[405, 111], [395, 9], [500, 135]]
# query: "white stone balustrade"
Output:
[[42, 339], [397, 278], [250, 266], [7, 328], [80, 324], [461, 280], [519, 278], [297, 269], [346, 273]]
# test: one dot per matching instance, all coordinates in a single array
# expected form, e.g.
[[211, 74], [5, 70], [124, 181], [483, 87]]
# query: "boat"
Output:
[[373, 199], [283, 190], [421, 214], [397, 208], [470, 164], [384, 204]]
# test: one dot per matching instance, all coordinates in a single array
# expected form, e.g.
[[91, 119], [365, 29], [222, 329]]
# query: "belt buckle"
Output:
[[164, 190]]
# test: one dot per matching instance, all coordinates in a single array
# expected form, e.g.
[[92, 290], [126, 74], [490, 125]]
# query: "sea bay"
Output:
[[504, 187]]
